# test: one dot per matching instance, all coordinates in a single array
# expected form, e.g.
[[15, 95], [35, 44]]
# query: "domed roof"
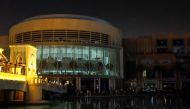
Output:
[[69, 16]]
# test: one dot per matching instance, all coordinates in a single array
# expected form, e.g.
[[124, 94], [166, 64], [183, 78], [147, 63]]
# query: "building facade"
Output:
[[5, 44], [160, 61], [83, 51]]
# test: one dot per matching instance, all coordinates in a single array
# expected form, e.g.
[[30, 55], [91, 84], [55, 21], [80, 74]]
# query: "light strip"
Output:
[[9, 76]]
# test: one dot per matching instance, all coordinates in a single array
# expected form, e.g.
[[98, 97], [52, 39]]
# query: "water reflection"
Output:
[[134, 102]]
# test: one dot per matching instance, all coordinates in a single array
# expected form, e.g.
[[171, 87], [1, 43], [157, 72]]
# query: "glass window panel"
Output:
[[81, 54], [93, 53], [86, 53], [161, 42], [178, 42]]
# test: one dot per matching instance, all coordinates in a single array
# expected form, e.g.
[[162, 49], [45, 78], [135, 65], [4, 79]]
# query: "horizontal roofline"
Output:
[[70, 16]]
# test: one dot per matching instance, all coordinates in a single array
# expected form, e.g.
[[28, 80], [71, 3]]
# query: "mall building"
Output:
[[82, 51], [158, 61]]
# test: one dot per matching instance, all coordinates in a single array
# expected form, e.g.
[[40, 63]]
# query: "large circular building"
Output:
[[82, 50]]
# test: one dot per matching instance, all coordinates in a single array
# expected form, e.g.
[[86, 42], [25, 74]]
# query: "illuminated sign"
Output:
[[9, 76]]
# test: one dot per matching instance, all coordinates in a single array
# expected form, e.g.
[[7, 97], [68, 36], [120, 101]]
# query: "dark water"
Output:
[[128, 102]]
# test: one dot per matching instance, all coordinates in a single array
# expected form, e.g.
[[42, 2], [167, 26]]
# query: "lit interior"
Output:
[[57, 59]]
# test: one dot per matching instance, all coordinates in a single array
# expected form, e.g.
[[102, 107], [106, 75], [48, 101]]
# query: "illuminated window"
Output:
[[86, 58], [178, 42]]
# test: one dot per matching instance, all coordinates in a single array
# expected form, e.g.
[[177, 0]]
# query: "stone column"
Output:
[[34, 92]]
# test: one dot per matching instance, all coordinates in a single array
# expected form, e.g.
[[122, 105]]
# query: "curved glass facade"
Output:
[[82, 50], [77, 60]]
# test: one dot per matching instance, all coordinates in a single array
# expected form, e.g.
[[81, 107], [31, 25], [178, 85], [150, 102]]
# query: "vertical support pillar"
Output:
[[78, 83], [178, 81], [139, 81], [109, 84], [99, 85], [112, 84], [160, 80], [94, 79], [9, 96], [34, 92], [143, 83], [157, 80]]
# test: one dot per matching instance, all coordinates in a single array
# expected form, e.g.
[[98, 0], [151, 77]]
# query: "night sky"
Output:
[[133, 17]]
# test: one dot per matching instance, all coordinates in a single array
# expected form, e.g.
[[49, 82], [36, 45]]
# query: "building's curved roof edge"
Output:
[[71, 16]]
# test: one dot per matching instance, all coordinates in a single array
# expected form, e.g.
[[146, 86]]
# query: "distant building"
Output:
[[161, 56], [5, 44], [79, 50]]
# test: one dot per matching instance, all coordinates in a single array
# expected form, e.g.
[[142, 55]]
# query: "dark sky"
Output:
[[133, 17]]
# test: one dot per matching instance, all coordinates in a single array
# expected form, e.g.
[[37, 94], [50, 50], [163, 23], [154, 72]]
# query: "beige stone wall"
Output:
[[34, 93], [141, 45], [170, 37], [144, 48], [27, 55], [65, 24]]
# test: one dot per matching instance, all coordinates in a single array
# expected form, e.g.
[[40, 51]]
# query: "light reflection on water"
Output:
[[134, 102]]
